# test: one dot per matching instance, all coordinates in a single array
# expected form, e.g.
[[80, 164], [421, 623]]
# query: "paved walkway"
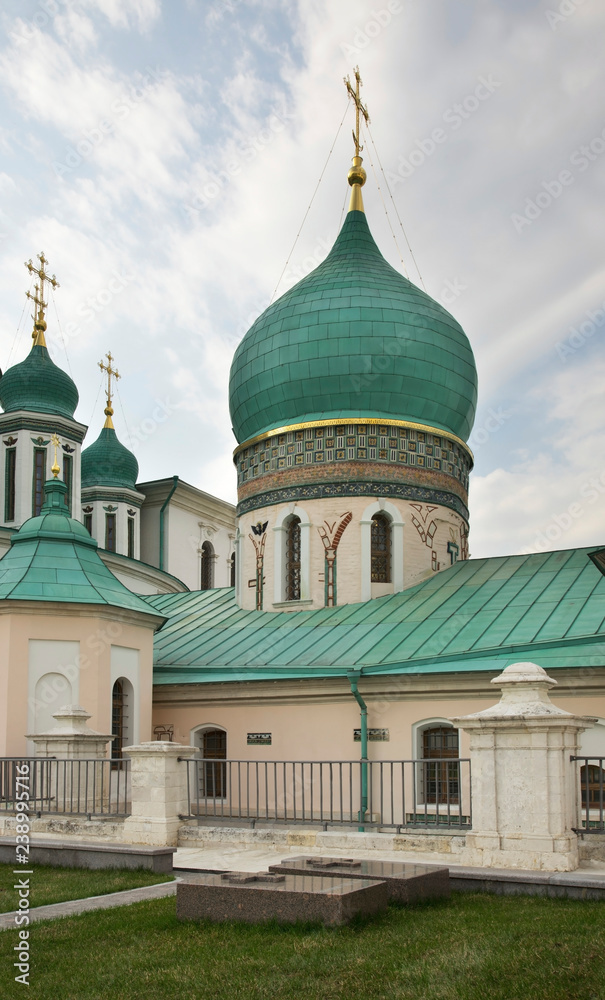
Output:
[[74, 906], [587, 882]]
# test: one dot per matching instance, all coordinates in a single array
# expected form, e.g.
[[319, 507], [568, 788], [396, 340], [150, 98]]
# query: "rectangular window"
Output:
[[131, 537], [110, 532], [10, 467], [88, 523], [68, 478], [39, 478]]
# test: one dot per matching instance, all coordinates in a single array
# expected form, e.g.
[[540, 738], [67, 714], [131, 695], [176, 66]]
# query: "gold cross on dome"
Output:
[[57, 444], [38, 297], [111, 373], [359, 107]]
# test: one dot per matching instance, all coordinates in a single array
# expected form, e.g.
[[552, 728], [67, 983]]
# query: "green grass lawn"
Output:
[[471, 947], [55, 885]]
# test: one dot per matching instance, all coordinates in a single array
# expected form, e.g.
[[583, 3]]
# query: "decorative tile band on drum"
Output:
[[402, 491], [402, 445]]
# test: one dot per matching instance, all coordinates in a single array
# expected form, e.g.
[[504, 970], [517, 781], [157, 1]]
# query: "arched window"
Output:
[[381, 548], [207, 576], [293, 563], [119, 718], [441, 780], [232, 570], [213, 771]]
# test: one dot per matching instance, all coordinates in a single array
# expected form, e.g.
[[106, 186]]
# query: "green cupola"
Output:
[[353, 340], [107, 462], [53, 558], [38, 385]]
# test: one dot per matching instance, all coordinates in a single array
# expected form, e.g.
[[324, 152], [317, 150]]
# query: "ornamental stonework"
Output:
[[327, 453]]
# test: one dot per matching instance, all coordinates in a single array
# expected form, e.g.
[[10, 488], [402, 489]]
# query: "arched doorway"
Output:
[[213, 771], [122, 709]]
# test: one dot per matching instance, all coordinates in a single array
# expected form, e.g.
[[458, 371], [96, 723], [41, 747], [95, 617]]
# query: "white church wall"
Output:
[[53, 677]]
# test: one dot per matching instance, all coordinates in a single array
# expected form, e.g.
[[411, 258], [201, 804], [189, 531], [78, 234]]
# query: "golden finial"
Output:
[[357, 175], [38, 298], [111, 373], [57, 444]]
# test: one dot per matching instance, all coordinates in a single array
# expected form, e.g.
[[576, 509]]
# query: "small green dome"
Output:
[[39, 386], [53, 558], [353, 339], [107, 462]]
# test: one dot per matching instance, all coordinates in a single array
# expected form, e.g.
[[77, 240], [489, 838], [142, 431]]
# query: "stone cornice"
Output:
[[60, 609], [45, 423]]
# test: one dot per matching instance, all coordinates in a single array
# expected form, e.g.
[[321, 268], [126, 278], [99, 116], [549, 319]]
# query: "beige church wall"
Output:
[[442, 525], [48, 649], [309, 720]]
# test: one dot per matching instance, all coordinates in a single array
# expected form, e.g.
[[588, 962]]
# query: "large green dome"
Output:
[[353, 339], [39, 386], [106, 462]]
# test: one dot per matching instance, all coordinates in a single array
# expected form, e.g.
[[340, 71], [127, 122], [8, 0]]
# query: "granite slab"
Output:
[[406, 883], [253, 898]]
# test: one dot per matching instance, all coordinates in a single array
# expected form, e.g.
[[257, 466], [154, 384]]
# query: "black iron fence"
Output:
[[76, 787], [399, 794], [591, 786]]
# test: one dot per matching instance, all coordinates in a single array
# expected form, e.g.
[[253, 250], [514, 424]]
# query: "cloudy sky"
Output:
[[164, 156]]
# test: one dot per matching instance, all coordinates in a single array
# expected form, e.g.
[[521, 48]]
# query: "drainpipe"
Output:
[[175, 483], [353, 678]]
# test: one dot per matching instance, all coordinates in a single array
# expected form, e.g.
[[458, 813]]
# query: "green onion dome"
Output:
[[39, 386], [107, 462], [354, 339]]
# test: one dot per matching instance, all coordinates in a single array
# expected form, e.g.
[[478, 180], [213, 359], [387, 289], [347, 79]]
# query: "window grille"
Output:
[[9, 479], [293, 560], [381, 549], [207, 572], [110, 532], [441, 779], [39, 477]]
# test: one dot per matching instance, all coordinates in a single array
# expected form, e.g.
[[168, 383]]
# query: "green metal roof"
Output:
[[53, 558], [106, 462], [481, 614], [353, 339], [39, 386]]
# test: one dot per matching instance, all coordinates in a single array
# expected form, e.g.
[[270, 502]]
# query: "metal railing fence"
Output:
[[92, 787], [591, 797], [400, 794]]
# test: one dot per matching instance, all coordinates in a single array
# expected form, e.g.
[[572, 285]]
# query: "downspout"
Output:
[[353, 678], [175, 483]]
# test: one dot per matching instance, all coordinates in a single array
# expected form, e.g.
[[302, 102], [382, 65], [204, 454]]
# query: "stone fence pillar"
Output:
[[158, 781], [524, 786], [78, 779]]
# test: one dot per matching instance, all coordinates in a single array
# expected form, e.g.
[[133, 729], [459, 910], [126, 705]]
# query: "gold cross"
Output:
[[38, 299], [359, 107], [111, 373], [55, 467]]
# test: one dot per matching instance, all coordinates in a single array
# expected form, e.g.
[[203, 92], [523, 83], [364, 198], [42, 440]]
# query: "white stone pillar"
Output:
[[159, 792], [524, 796], [73, 780], [71, 738]]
